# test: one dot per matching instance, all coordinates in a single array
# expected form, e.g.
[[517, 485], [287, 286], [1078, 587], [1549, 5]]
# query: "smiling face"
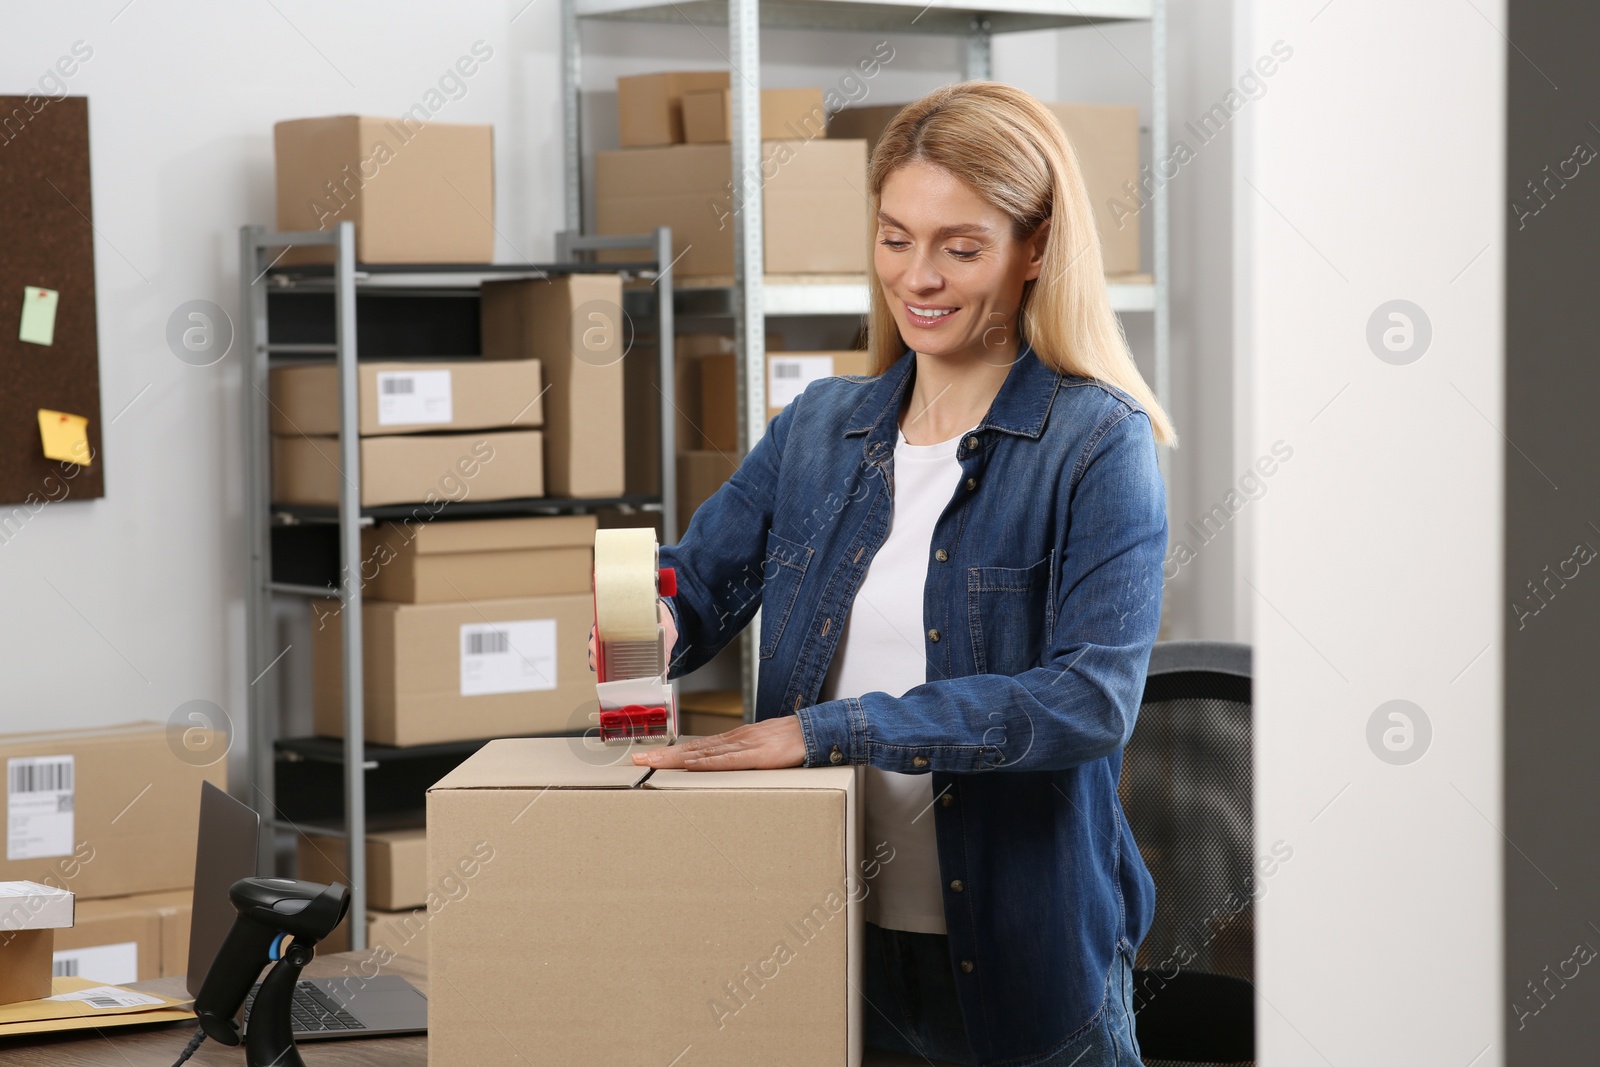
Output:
[[951, 270]]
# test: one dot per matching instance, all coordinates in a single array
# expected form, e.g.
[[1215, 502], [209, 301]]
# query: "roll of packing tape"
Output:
[[625, 573]]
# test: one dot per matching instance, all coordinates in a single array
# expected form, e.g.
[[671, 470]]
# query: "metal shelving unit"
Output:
[[750, 296], [342, 281]]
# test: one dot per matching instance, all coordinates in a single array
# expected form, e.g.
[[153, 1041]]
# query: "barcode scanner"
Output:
[[270, 910]]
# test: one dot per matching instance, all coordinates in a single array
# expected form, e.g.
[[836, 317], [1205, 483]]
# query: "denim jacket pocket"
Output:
[[1011, 614], [781, 573]]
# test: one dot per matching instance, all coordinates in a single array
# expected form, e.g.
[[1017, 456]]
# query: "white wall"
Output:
[[183, 96], [1371, 172]]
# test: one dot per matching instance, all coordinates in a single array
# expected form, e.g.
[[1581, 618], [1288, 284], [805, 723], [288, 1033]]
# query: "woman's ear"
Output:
[[1036, 246]]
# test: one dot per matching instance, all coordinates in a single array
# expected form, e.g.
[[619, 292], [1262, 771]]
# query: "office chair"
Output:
[[1186, 791]]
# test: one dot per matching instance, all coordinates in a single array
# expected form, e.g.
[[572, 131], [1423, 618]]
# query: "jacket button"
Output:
[[972, 483], [966, 965], [836, 756], [946, 800], [919, 761], [797, 699], [933, 635], [941, 555], [972, 442], [957, 886]]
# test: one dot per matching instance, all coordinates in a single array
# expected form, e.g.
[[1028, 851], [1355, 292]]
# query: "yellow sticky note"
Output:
[[39, 315], [66, 437]]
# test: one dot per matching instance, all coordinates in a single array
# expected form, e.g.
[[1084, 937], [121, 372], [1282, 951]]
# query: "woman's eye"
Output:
[[889, 242], [964, 253]]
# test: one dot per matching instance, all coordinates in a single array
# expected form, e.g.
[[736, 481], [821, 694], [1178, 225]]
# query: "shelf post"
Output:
[[749, 267], [667, 354], [978, 62], [572, 115], [355, 792], [260, 695]]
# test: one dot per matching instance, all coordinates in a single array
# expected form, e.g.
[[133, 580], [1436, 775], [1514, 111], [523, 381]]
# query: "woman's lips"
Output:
[[920, 318]]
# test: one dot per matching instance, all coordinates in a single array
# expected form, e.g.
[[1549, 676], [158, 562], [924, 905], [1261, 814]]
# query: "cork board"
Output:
[[47, 241]]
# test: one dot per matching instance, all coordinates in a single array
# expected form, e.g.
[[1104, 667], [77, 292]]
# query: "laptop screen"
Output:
[[226, 852]]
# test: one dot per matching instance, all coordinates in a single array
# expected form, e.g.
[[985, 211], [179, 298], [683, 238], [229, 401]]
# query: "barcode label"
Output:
[[40, 776], [39, 807], [508, 657], [109, 996], [414, 398], [113, 964], [789, 375], [490, 642]]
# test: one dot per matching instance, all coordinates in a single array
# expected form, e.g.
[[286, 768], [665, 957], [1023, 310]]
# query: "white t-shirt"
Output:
[[882, 650]]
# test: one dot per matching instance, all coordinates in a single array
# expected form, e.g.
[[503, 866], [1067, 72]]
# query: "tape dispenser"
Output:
[[636, 701]]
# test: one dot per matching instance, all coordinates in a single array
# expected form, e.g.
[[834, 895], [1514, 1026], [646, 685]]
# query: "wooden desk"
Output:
[[158, 1044]]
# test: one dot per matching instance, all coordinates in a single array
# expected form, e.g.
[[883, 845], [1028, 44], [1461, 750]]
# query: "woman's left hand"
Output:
[[771, 743]]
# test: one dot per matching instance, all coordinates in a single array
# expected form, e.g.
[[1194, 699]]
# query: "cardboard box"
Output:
[[410, 396], [30, 915], [441, 672], [815, 215], [413, 468], [418, 192], [650, 106], [723, 909], [788, 373], [574, 325], [710, 711], [106, 811], [480, 559], [794, 114], [1105, 138], [117, 940], [402, 933], [397, 866], [700, 474]]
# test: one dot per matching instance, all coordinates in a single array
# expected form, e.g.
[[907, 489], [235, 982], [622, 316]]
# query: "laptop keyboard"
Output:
[[313, 1010]]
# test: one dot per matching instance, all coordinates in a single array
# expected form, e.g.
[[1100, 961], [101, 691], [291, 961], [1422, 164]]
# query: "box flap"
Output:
[[545, 762], [486, 535], [78, 736], [841, 778], [31, 906]]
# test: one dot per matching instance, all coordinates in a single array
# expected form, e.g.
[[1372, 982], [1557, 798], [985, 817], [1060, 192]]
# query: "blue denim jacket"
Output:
[[1041, 605]]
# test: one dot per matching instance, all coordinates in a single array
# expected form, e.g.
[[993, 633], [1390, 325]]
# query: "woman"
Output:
[[958, 564]]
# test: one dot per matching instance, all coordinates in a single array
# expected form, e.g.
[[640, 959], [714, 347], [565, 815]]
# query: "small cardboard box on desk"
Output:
[[620, 915], [30, 914]]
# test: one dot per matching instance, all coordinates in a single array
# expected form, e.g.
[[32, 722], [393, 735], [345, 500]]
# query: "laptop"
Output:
[[353, 1006]]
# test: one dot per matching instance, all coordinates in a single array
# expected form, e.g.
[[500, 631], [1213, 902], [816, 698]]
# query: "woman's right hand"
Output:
[[670, 636]]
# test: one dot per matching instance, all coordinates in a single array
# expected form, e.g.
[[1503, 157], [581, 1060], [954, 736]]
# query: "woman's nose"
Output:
[[922, 276]]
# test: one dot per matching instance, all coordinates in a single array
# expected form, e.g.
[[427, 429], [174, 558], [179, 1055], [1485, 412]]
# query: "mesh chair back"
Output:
[[1186, 791]]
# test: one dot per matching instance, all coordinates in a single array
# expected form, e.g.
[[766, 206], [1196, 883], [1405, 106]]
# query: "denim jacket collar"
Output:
[[1020, 407]]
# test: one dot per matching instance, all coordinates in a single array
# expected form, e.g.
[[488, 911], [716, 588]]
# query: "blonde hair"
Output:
[[1011, 151]]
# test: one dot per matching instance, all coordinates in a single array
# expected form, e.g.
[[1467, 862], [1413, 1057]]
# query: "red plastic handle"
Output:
[[668, 581]]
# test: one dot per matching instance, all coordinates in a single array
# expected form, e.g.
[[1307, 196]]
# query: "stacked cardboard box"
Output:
[[1104, 137], [575, 327], [788, 373], [411, 416], [470, 629], [111, 815], [397, 887], [675, 169], [431, 195]]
